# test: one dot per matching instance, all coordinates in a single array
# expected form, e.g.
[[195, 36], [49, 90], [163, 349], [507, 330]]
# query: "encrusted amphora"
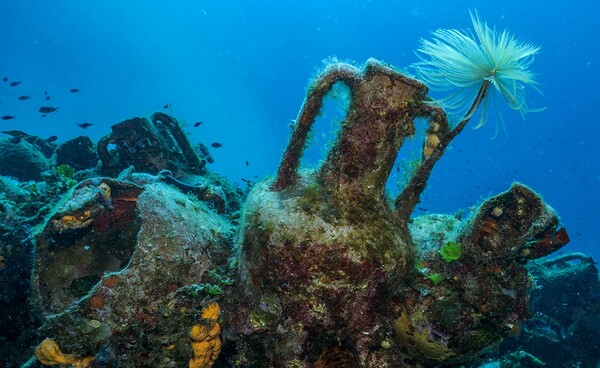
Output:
[[321, 250]]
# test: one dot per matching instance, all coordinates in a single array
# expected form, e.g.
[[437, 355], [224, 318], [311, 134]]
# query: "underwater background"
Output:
[[241, 69]]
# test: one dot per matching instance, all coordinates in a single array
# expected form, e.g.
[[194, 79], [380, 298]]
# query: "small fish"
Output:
[[84, 125], [15, 133], [45, 93], [167, 106], [197, 124], [8, 117], [47, 109], [14, 84], [216, 145], [23, 98], [73, 90], [51, 139], [5, 79], [47, 98], [247, 163]]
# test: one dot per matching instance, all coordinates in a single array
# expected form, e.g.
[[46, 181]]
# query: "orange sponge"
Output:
[[206, 343], [48, 353]]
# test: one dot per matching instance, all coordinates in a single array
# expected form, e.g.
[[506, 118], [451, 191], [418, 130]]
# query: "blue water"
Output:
[[242, 68]]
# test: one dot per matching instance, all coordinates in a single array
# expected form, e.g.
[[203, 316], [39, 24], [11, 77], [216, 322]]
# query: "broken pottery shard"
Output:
[[149, 145]]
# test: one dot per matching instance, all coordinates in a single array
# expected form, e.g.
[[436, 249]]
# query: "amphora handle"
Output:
[[383, 106], [287, 174]]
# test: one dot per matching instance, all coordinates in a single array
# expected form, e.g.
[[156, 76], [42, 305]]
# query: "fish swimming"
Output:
[[14, 84], [216, 145], [8, 117], [197, 124], [84, 125], [51, 139], [23, 98], [248, 182], [73, 90], [47, 109]]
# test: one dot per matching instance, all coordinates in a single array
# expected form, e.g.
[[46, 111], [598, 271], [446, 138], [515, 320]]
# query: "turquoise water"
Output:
[[242, 68]]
